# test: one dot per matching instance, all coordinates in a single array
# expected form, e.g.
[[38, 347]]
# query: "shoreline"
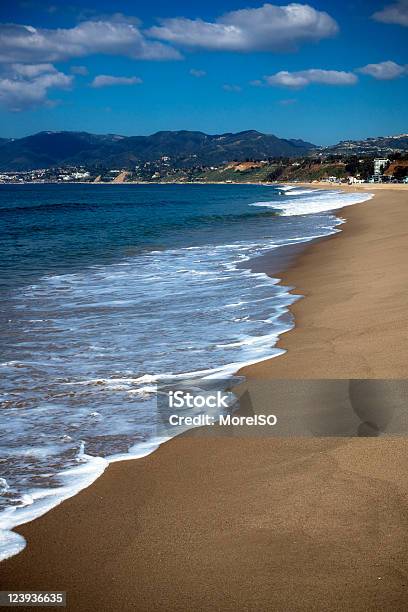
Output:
[[188, 526], [297, 275], [290, 253], [312, 184]]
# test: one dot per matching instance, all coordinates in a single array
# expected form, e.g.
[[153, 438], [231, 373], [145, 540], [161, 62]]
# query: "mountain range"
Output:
[[182, 148]]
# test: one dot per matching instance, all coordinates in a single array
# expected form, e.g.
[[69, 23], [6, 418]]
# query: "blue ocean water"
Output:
[[106, 290]]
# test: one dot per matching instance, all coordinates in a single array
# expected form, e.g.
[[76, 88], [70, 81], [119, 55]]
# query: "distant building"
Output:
[[379, 165], [80, 175]]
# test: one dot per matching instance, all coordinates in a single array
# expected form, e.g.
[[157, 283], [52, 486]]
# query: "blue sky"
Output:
[[321, 71]]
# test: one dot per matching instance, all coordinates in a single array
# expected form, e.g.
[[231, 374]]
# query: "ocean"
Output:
[[108, 290]]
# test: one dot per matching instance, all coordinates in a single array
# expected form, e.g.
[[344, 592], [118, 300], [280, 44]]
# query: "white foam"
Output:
[[301, 192], [11, 543], [139, 450], [315, 201], [4, 486], [40, 501], [286, 187], [143, 391]]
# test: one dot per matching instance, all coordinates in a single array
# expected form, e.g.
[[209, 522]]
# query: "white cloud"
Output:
[[19, 43], [197, 73], [267, 28], [32, 70], [24, 86], [384, 71], [106, 80], [394, 13], [302, 78]]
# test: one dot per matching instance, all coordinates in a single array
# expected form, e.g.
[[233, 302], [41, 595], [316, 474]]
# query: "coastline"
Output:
[[311, 184], [363, 355], [207, 523]]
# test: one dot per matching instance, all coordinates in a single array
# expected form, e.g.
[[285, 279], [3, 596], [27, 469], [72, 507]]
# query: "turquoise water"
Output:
[[106, 290]]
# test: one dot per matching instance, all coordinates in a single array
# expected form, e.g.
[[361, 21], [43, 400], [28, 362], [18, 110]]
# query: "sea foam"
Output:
[[313, 201]]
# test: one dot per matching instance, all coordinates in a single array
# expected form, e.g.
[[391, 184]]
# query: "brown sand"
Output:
[[260, 524], [353, 322]]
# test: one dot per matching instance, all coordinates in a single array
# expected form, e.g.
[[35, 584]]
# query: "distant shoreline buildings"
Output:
[[334, 169]]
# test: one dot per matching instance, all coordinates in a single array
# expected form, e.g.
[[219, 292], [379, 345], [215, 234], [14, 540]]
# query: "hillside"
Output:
[[381, 145], [306, 170], [184, 149]]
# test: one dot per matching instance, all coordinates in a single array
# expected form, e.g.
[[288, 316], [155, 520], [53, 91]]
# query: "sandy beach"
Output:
[[354, 319], [255, 523]]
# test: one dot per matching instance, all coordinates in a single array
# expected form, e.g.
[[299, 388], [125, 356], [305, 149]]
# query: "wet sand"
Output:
[[242, 523]]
